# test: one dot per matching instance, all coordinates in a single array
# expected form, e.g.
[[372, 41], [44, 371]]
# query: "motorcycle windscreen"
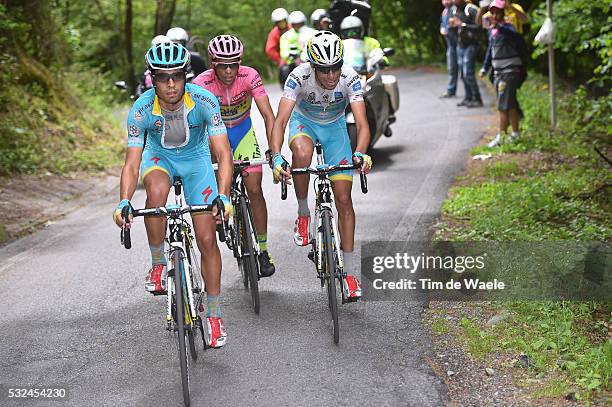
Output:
[[355, 55], [339, 9]]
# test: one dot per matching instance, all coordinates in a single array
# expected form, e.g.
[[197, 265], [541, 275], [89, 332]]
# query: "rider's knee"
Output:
[[207, 242], [344, 203], [254, 191], [157, 195], [301, 150]]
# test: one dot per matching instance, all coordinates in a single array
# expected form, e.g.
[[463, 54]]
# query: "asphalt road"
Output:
[[75, 313]]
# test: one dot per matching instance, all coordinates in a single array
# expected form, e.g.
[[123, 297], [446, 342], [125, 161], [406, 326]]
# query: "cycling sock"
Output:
[[303, 207], [348, 262], [263, 242], [157, 254], [213, 303], [515, 134]]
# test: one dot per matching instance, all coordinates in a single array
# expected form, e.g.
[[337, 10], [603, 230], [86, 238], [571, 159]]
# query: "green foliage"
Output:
[[411, 28], [563, 196], [583, 30], [567, 199], [568, 339]]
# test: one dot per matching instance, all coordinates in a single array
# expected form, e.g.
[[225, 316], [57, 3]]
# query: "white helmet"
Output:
[[177, 34], [279, 14], [316, 15], [297, 17], [352, 23], [325, 49], [158, 39]]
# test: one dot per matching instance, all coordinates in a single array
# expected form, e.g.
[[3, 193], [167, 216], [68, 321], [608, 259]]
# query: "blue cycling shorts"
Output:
[[199, 182], [334, 140]]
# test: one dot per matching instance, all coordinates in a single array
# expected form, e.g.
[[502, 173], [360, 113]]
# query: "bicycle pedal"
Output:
[[311, 256]]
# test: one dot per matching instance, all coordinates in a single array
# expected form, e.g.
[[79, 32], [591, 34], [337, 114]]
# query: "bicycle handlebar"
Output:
[[126, 240], [240, 164], [335, 168], [283, 183]]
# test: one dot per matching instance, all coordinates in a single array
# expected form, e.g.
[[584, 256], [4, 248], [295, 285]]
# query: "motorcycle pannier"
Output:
[[390, 82]]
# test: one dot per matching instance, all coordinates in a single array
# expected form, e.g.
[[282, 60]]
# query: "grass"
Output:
[[59, 124], [440, 326], [479, 342], [550, 185]]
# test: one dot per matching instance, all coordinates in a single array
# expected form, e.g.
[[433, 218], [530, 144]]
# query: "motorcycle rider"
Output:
[[320, 19], [180, 36], [293, 42], [146, 82], [279, 18], [352, 28]]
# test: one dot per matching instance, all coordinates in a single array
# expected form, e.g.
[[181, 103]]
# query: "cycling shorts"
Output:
[[244, 143], [333, 137], [195, 170]]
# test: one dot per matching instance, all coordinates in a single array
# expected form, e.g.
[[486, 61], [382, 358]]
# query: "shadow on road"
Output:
[[382, 157]]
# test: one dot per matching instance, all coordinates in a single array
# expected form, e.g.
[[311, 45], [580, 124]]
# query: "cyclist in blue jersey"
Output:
[[320, 91], [178, 120]]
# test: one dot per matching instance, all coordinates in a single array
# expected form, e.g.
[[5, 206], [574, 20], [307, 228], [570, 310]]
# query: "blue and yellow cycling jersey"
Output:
[[202, 119]]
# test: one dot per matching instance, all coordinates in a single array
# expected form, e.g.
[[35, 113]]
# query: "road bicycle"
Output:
[[325, 244], [241, 234], [185, 293]]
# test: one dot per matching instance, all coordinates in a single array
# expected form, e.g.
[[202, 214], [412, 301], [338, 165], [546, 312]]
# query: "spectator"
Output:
[[514, 14], [506, 54], [463, 18], [279, 19], [451, 50]]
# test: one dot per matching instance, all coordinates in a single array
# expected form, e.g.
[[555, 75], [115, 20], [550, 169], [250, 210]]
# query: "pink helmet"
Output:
[[225, 47], [500, 4]]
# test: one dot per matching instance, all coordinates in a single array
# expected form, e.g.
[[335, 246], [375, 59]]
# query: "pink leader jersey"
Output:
[[235, 100]]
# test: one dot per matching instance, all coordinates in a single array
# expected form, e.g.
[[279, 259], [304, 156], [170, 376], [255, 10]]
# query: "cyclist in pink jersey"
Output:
[[236, 86]]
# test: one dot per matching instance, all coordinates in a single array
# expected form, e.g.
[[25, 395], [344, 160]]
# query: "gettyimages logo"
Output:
[[464, 271]]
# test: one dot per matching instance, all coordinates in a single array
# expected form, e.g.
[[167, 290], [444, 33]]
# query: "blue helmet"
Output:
[[167, 56]]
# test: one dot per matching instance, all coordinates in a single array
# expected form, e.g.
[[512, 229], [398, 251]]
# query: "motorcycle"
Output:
[[381, 93], [142, 86]]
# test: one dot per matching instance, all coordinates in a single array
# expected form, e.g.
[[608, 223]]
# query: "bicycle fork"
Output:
[[319, 241], [190, 314]]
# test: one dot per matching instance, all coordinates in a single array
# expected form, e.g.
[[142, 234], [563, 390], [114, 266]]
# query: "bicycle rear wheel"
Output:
[[180, 324], [330, 278], [249, 254]]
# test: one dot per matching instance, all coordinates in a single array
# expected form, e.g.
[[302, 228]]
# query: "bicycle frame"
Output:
[[178, 236], [323, 202]]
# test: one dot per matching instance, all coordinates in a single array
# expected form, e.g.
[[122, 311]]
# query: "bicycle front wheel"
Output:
[[249, 252], [180, 324], [330, 269]]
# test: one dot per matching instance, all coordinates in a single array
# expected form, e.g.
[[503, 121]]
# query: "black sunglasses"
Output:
[[224, 66], [165, 77], [328, 69]]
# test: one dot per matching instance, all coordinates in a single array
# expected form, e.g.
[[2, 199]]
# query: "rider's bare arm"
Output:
[[285, 107], [222, 150], [129, 173], [363, 129], [263, 104]]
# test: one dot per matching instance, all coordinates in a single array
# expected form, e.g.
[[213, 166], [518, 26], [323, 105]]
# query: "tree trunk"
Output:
[[164, 15], [128, 46]]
